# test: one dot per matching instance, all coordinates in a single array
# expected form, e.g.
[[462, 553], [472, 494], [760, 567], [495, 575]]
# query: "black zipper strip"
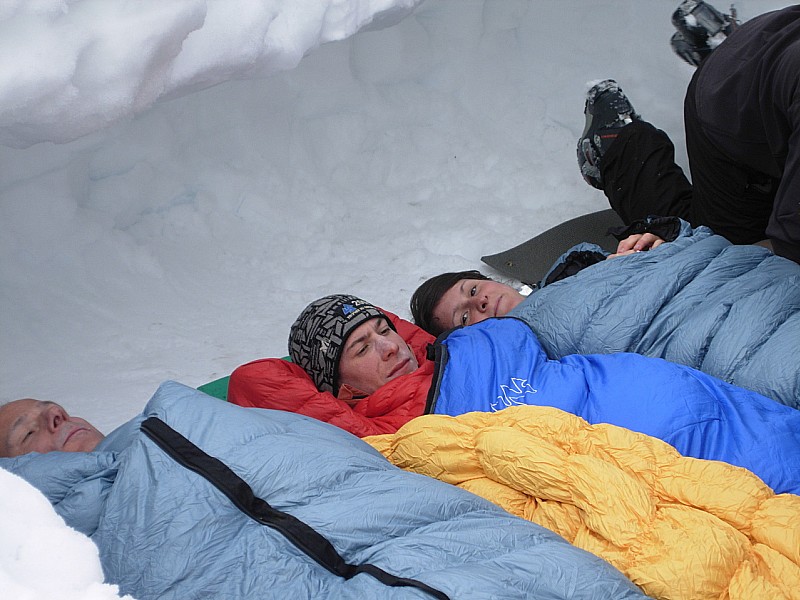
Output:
[[438, 353], [236, 489]]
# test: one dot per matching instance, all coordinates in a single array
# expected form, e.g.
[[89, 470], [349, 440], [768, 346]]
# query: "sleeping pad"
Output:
[[197, 498]]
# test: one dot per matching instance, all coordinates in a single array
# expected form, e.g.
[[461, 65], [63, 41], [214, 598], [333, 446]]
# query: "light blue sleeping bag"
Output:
[[730, 311], [165, 532]]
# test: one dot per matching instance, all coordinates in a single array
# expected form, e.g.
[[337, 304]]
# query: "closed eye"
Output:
[[26, 437]]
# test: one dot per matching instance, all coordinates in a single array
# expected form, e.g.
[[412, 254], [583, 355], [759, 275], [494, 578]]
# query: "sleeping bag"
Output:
[[499, 363], [282, 385], [681, 528], [730, 311], [197, 498]]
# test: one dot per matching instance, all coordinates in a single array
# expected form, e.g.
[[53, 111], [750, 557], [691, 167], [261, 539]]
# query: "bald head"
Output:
[[30, 425]]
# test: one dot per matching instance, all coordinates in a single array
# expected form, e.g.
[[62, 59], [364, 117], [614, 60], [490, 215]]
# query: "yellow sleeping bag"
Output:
[[678, 527]]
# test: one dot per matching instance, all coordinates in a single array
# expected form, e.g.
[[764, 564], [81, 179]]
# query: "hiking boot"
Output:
[[692, 54], [701, 28], [607, 111]]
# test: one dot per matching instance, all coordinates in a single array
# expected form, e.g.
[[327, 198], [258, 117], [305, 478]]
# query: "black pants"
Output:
[[640, 178]]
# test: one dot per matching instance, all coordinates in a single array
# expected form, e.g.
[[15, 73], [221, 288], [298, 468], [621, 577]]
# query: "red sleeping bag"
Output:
[[282, 385]]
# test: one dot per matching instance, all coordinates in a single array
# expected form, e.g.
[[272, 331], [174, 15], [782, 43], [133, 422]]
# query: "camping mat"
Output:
[[530, 261]]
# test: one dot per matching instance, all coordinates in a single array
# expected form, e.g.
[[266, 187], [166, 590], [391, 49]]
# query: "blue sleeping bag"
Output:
[[150, 498], [730, 311], [499, 363]]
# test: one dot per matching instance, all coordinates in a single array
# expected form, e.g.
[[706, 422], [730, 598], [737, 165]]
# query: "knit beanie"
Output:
[[317, 337]]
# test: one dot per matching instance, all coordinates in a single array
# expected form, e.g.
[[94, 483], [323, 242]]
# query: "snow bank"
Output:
[[71, 67]]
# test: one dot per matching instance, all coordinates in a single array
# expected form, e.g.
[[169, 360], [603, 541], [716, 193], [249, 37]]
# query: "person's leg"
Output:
[[629, 159], [733, 200], [639, 175]]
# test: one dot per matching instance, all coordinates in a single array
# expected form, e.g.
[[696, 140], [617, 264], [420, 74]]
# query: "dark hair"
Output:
[[428, 295]]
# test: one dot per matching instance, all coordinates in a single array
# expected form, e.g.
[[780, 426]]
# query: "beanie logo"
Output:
[[347, 309]]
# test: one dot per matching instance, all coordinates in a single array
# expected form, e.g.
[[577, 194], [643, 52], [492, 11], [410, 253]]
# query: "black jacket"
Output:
[[747, 98]]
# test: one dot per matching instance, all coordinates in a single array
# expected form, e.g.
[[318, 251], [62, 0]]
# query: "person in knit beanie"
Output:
[[348, 346]]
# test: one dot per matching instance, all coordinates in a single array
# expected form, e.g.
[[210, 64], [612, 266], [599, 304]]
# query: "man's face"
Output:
[[373, 355], [473, 300], [35, 426]]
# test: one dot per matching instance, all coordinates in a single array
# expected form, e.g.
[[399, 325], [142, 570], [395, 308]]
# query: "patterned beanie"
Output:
[[317, 338]]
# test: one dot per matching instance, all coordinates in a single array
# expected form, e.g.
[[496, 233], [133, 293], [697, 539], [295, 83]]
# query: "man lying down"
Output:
[[200, 498], [370, 372]]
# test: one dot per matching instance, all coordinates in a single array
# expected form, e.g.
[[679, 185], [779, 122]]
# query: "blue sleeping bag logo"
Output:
[[511, 395]]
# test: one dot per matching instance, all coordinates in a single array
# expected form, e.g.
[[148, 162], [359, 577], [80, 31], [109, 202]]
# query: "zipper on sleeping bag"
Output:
[[437, 352], [237, 490], [440, 355]]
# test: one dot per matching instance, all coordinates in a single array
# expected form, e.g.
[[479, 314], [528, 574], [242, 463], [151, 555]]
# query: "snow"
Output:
[[179, 179], [40, 557]]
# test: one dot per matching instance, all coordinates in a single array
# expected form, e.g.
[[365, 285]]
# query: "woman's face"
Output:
[[474, 300]]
